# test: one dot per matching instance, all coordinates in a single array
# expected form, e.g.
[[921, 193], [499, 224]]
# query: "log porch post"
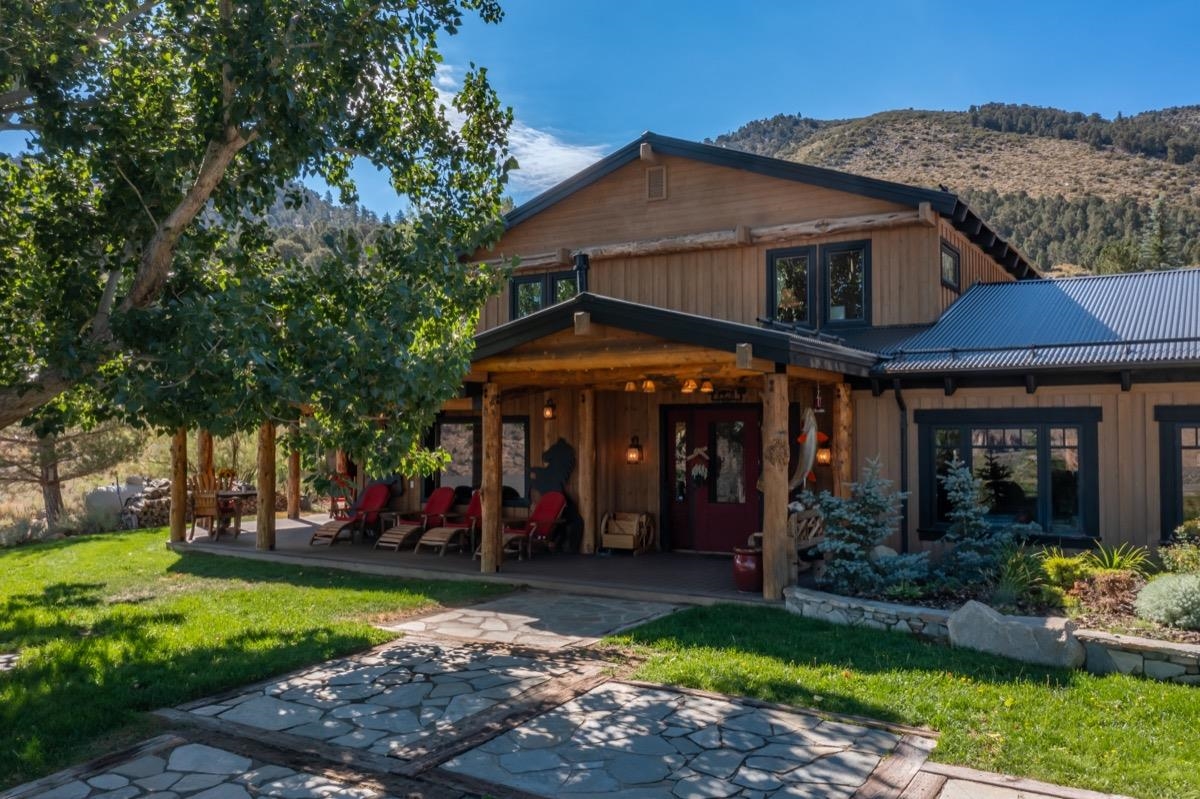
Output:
[[178, 485], [776, 452], [206, 475], [843, 440], [587, 470], [293, 482], [265, 530], [492, 483]]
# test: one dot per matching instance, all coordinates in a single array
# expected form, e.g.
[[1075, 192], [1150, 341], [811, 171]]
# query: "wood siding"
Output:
[[974, 265], [1128, 456]]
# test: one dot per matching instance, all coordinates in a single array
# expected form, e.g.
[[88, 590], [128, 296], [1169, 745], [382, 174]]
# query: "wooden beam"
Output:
[[588, 504], [646, 153], [264, 538], [563, 256], [744, 356], [776, 564], [927, 215], [843, 440], [583, 323], [293, 481], [206, 476], [565, 377], [607, 356], [492, 483], [743, 235], [460, 404], [178, 485]]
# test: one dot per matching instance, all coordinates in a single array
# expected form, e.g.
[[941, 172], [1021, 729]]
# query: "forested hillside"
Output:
[[1071, 190]]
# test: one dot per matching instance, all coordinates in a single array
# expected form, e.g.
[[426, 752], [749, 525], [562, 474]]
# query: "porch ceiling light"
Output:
[[648, 386], [688, 386], [706, 386], [630, 386], [633, 455], [549, 411]]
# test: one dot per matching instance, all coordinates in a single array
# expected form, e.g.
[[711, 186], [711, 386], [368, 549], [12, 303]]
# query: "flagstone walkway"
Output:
[[506, 700]]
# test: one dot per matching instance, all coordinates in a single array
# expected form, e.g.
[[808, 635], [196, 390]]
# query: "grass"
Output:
[[113, 625], [1115, 733]]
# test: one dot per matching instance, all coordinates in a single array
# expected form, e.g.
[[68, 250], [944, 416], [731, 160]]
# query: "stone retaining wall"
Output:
[[925, 622], [1105, 653]]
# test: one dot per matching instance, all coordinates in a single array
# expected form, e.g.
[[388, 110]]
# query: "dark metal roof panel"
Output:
[[1116, 321]]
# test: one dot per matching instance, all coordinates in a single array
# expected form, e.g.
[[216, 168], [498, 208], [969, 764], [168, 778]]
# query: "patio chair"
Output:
[[409, 526], [205, 505], [806, 529], [455, 529], [366, 513], [547, 514]]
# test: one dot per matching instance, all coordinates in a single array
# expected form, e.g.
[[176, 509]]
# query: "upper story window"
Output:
[[837, 292], [791, 275], [951, 267], [530, 293], [847, 275]]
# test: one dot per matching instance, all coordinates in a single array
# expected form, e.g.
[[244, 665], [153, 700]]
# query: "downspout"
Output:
[[903, 408], [581, 272]]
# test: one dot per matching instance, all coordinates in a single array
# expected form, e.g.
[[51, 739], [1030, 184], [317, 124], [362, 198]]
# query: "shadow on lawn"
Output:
[[792, 640]]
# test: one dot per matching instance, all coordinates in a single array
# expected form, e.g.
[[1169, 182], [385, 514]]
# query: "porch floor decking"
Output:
[[660, 576]]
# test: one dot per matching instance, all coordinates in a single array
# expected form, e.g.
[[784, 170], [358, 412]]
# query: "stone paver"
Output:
[[540, 619], [8, 661], [625, 740], [385, 701], [199, 771]]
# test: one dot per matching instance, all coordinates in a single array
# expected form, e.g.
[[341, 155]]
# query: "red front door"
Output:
[[713, 499]]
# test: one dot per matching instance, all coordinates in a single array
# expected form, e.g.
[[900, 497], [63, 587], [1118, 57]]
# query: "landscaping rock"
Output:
[[1049, 642]]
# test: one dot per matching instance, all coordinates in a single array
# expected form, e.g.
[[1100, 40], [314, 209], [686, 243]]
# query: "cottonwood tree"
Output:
[[132, 250]]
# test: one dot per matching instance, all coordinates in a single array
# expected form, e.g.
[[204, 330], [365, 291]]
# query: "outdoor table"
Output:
[[237, 497]]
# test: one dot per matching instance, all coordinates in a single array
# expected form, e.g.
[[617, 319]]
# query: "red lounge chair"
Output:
[[440, 503], [547, 514], [462, 529], [373, 500]]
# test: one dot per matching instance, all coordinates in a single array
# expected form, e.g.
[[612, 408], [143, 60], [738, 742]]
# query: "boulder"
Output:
[[1046, 641], [881, 552]]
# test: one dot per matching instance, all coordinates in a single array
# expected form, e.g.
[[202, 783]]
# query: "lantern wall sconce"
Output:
[[648, 386], [633, 455], [824, 456], [630, 385], [549, 410], [706, 386], [689, 386]]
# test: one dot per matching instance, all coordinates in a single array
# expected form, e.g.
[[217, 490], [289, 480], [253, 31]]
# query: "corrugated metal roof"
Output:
[[1115, 321]]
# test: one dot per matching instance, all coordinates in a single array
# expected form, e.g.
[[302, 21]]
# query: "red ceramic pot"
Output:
[[747, 570]]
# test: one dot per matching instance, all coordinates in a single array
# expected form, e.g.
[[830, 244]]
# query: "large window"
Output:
[[847, 272], [462, 438], [951, 267], [1179, 464], [530, 293], [1035, 464], [837, 293], [791, 275]]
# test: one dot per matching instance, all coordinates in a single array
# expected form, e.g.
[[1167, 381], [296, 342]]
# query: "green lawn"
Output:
[[112, 625], [1117, 734]]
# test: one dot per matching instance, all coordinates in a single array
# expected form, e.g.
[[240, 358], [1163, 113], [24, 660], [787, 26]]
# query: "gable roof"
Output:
[[774, 345], [1115, 322], [944, 202]]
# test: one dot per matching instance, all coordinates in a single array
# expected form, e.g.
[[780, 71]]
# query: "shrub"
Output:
[[1110, 591], [976, 545], [853, 527], [1125, 557], [1019, 578], [1173, 600], [1183, 553], [1063, 571]]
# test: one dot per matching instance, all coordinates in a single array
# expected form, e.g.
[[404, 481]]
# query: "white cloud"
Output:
[[545, 159]]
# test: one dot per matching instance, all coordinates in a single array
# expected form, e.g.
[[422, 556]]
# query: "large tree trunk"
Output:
[[48, 479], [17, 402]]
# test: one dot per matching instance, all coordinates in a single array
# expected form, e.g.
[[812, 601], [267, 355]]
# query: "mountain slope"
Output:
[[1063, 186]]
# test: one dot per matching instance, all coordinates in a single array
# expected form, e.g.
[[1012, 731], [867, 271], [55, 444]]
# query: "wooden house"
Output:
[[679, 306]]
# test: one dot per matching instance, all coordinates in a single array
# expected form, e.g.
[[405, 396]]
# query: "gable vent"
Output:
[[656, 183]]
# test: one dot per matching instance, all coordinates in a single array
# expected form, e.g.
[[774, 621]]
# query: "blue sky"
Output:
[[586, 76]]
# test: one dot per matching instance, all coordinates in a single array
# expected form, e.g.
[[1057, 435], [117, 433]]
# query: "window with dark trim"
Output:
[[791, 279], [846, 273], [951, 268], [1036, 465], [530, 293], [1179, 464], [462, 438]]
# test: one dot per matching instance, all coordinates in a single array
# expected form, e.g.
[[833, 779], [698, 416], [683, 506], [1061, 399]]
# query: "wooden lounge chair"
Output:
[[460, 530], [409, 526], [547, 514], [373, 500], [205, 505]]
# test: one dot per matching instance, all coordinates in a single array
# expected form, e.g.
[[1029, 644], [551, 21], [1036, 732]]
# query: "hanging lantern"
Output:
[[689, 386], [648, 386], [706, 386], [824, 456], [549, 411], [633, 454], [630, 386]]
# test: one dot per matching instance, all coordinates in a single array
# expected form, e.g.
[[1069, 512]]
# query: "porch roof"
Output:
[[779, 346]]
